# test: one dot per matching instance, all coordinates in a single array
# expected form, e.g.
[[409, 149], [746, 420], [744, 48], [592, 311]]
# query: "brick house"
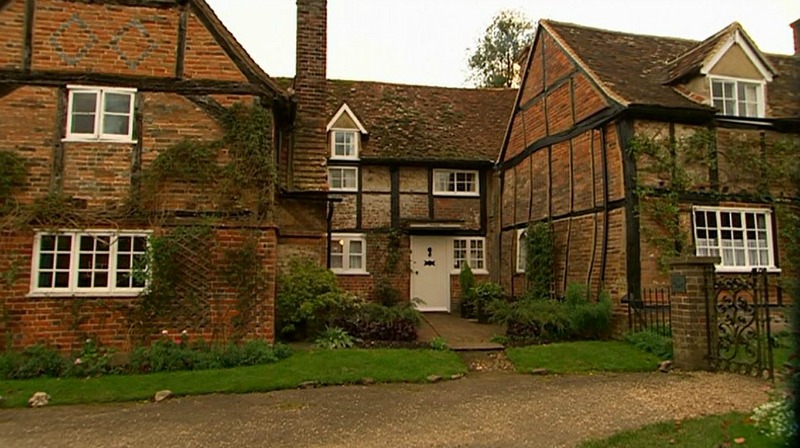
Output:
[[96, 97], [718, 116], [412, 175]]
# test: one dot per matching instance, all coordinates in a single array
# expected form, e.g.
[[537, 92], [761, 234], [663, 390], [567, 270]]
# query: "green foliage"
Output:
[[466, 279], [92, 360], [334, 338], [375, 322], [776, 419], [484, 294], [533, 320], [439, 343], [33, 362], [493, 62], [308, 299], [386, 294], [12, 175], [651, 341], [168, 356], [539, 259], [187, 161]]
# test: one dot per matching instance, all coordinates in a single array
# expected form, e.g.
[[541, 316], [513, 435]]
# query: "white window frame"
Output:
[[521, 251], [354, 169], [468, 258], [73, 290], [344, 240], [760, 100], [98, 134], [356, 144], [716, 250], [439, 192]]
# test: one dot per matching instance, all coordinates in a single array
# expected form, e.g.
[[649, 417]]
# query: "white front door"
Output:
[[430, 272]]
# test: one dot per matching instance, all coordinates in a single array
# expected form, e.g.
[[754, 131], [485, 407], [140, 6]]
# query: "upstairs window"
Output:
[[738, 98], [344, 144], [100, 114], [348, 254], [89, 263], [343, 178], [455, 182], [522, 250], [742, 238]]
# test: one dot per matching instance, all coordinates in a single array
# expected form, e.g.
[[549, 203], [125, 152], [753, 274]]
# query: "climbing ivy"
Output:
[[12, 175], [245, 274], [539, 259]]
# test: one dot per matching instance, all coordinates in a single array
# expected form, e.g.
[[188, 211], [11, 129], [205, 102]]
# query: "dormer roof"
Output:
[[345, 110]]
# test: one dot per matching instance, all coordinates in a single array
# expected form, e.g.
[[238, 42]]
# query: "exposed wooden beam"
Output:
[[180, 51], [27, 39]]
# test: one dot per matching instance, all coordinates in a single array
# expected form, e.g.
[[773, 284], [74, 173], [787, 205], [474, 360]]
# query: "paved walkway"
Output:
[[481, 410], [460, 334]]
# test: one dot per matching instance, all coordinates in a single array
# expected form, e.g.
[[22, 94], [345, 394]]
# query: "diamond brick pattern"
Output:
[[135, 25], [63, 31]]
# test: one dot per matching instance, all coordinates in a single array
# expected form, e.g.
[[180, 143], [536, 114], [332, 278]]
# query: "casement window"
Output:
[[348, 254], [343, 178], [344, 144], [100, 114], [455, 182], [88, 263], [522, 250], [469, 251], [737, 97], [742, 238]]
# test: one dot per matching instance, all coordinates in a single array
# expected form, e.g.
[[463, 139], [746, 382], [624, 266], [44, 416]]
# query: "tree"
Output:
[[493, 63]]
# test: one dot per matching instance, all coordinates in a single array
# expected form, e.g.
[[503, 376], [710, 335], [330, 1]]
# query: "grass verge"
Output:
[[711, 431], [583, 356], [325, 367]]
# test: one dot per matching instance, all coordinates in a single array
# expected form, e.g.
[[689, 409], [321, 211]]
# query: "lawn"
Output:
[[712, 431], [325, 367], [583, 356]]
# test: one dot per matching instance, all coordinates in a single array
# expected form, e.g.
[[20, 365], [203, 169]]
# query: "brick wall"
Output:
[[11, 25]]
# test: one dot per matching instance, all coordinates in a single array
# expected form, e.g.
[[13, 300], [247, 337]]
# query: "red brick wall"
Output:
[[12, 18], [204, 58], [64, 322], [377, 251]]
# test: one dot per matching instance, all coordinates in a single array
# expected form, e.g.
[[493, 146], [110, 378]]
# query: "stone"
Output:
[[367, 381], [163, 395], [308, 384], [457, 376], [434, 378], [665, 366], [39, 399], [539, 371]]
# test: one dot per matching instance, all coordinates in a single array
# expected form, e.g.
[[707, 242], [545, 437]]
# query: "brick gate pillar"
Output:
[[691, 285]]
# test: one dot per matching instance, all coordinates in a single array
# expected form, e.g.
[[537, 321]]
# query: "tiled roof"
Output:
[[409, 122], [635, 68]]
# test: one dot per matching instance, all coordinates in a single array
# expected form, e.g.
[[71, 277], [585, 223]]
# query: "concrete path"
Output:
[[482, 410], [460, 334]]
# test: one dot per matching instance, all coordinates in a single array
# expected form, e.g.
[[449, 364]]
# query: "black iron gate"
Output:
[[739, 324], [650, 311]]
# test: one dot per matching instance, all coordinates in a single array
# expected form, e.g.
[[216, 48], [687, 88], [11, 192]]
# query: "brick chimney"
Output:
[[310, 151], [796, 30]]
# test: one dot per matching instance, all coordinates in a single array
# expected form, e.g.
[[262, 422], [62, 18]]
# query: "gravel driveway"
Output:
[[482, 410]]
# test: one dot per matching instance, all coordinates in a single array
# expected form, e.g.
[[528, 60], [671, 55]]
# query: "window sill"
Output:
[[743, 270], [456, 195], [474, 271], [364, 273], [98, 140], [68, 294]]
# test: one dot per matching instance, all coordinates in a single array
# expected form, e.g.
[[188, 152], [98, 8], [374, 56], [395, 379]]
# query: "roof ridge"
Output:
[[729, 28], [624, 33]]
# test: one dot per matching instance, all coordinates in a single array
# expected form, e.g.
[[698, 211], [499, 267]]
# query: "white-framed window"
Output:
[[89, 263], [100, 114], [343, 178], [735, 97], [471, 251], [348, 253], [455, 182], [742, 238], [522, 250], [344, 144]]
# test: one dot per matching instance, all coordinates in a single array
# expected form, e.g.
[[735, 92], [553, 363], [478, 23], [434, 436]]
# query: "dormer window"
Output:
[[735, 97], [344, 144]]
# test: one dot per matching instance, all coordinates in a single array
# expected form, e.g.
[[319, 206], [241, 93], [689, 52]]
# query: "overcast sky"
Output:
[[427, 41]]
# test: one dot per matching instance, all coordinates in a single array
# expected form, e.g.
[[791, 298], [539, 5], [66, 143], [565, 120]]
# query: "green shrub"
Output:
[[308, 299], [168, 356], [33, 362], [439, 343], [466, 304], [334, 338], [92, 360], [483, 295], [375, 322], [589, 320], [651, 341], [386, 294], [539, 259], [531, 321]]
